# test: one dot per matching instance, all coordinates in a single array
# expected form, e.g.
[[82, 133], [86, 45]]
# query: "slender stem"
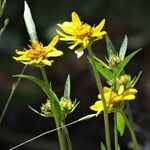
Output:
[[69, 145], [133, 136], [14, 87], [115, 131], [100, 89], [60, 134], [61, 137], [129, 113], [45, 76]]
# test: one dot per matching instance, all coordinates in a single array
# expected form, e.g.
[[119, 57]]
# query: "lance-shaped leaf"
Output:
[[110, 47], [67, 88], [120, 123], [103, 69], [4, 26], [123, 48], [2, 7], [123, 63], [136, 79], [29, 23], [50, 94]]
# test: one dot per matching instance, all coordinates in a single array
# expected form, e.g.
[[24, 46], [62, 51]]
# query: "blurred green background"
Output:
[[20, 123]]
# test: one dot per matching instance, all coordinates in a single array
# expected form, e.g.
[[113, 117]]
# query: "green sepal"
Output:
[[123, 48], [120, 123], [103, 146], [50, 94], [75, 105], [110, 47], [67, 88], [123, 63], [34, 110]]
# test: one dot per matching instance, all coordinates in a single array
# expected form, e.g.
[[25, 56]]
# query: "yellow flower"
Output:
[[80, 34], [38, 55], [112, 98]]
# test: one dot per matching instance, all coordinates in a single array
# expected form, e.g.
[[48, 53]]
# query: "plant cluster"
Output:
[[113, 98]]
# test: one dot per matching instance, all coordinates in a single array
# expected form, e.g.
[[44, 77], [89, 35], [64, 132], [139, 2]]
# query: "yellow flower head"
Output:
[[80, 34], [38, 55], [112, 98]]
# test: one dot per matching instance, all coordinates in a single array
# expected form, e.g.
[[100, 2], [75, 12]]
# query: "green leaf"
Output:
[[103, 146], [50, 94], [120, 123], [29, 23], [2, 7], [136, 79], [4, 26], [121, 66], [110, 47], [38, 112], [123, 48], [67, 87], [104, 71], [74, 107]]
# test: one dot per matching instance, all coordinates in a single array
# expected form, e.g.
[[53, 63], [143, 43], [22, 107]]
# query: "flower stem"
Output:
[[133, 136], [43, 72], [69, 145], [61, 136], [115, 131], [100, 89], [14, 87], [129, 113]]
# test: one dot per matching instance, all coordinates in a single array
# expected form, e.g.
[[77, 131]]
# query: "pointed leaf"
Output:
[[103, 146], [123, 48], [29, 22], [136, 79], [101, 62], [4, 26], [121, 66], [110, 47], [67, 87], [2, 7], [50, 94], [103, 70], [36, 111], [120, 123]]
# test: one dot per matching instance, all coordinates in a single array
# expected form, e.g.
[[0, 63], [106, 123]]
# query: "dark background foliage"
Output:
[[20, 123]]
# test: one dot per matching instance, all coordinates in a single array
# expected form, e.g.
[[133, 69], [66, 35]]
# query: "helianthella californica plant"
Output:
[[113, 98]]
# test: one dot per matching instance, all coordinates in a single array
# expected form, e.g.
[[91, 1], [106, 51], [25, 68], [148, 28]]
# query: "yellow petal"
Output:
[[100, 26], [121, 89], [132, 90], [74, 45], [54, 53], [47, 62], [68, 27], [76, 19], [99, 34], [63, 35], [106, 89], [98, 106], [85, 43], [53, 42], [20, 52], [129, 97]]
